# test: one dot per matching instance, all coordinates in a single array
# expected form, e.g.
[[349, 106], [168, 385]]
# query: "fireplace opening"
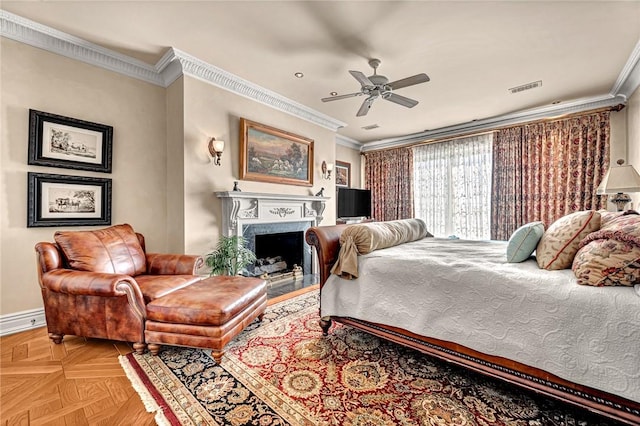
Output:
[[278, 253]]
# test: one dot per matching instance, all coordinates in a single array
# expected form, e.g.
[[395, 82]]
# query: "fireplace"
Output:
[[280, 249], [274, 226]]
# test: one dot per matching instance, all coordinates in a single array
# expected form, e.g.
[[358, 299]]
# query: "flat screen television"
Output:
[[353, 203]]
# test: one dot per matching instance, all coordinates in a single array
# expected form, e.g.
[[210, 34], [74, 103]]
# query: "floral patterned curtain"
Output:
[[388, 174], [545, 170]]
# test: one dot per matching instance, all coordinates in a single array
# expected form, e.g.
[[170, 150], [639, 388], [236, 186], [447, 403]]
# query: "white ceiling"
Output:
[[473, 51]]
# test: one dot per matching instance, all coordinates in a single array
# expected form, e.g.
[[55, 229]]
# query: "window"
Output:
[[452, 186]]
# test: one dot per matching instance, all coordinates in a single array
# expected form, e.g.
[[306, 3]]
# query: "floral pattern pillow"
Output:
[[611, 256], [607, 262], [560, 242]]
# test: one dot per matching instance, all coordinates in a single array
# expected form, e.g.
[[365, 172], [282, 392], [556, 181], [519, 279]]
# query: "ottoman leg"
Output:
[[217, 355], [260, 317], [154, 348]]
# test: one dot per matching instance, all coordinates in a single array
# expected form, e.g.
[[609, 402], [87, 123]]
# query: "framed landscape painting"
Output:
[[343, 174], [268, 154], [59, 200], [58, 141]]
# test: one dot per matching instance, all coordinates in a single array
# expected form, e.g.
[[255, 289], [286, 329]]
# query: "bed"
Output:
[[558, 341]]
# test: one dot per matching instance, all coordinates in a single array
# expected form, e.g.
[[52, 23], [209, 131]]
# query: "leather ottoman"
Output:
[[206, 314]]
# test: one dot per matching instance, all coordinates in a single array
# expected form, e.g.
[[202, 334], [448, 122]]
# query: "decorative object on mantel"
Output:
[[58, 141], [236, 188], [215, 149], [326, 170], [268, 154], [320, 193], [230, 256], [617, 180]]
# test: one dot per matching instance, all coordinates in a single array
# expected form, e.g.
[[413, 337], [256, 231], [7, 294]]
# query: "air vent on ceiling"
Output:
[[527, 86], [370, 127]]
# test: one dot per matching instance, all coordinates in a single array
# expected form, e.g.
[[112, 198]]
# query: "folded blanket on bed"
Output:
[[367, 237]]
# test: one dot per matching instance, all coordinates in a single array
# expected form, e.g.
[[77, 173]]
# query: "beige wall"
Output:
[[353, 157], [211, 111], [34, 78]]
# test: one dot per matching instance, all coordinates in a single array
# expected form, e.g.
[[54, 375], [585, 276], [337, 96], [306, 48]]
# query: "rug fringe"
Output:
[[148, 401]]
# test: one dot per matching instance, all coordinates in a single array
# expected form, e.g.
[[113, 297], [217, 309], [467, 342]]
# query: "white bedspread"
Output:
[[465, 292]]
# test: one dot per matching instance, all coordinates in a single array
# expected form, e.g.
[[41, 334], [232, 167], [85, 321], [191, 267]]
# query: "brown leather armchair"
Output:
[[97, 283]]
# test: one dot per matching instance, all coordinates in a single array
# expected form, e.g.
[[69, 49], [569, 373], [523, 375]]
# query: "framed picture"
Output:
[[271, 155], [58, 141], [59, 200], [343, 174]]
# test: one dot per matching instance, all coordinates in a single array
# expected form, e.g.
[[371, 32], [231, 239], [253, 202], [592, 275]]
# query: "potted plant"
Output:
[[230, 256]]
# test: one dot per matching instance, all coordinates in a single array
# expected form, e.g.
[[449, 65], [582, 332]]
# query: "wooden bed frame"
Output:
[[326, 240]]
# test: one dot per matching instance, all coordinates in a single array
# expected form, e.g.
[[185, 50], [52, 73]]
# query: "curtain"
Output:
[[388, 176], [543, 171], [452, 186]]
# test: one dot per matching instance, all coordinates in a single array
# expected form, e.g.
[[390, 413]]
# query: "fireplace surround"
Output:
[[251, 214]]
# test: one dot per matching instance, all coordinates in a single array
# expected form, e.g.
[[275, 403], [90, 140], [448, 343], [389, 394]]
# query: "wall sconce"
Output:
[[617, 180], [326, 170], [215, 149]]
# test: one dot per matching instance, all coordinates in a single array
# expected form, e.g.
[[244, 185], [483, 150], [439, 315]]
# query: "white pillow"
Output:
[[524, 241]]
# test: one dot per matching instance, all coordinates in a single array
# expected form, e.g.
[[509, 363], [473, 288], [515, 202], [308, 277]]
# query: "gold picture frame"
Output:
[[272, 155]]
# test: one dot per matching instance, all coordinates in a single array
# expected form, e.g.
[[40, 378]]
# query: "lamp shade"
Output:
[[620, 179]]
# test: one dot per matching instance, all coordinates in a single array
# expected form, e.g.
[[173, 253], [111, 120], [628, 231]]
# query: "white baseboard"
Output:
[[21, 321]]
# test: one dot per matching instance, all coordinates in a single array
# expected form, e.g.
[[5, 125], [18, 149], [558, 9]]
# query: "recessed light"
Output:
[[334, 93], [299, 74]]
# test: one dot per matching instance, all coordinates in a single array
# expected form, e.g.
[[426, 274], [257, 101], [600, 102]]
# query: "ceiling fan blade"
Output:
[[401, 100], [409, 81], [364, 108], [363, 79], [335, 98]]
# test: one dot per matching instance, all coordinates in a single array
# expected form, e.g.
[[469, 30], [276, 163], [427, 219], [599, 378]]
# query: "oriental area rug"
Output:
[[284, 372]]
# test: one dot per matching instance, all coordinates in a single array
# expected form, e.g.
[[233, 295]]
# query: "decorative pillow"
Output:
[[611, 256], [114, 250], [367, 237], [523, 241], [608, 262], [560, 242]]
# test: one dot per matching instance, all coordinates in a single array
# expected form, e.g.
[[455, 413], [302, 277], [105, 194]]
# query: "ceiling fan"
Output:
[[376, 86]]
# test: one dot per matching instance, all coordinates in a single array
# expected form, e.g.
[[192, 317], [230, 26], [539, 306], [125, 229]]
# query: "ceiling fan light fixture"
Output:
[[378, 86]]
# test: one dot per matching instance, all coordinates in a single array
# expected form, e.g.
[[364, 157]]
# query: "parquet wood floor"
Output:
[[79, 382]]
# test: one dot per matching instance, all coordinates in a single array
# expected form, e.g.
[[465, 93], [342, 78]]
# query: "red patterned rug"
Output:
[[284, 371]]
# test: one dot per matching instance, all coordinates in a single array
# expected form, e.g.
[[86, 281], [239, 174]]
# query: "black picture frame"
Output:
[[62, 200], [58, 141]]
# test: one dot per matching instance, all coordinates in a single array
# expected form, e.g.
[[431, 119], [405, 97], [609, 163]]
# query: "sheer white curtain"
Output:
[[452, 186]]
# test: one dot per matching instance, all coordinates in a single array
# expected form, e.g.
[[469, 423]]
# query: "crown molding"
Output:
[[629, 79], [492, 123], [169, 68], [37, 35], [211, 74], [348, 142]]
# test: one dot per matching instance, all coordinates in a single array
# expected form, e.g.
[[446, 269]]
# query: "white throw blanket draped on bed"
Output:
[[466, 292]]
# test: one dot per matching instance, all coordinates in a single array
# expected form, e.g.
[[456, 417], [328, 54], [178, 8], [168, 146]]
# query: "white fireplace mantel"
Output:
[[243, 208]]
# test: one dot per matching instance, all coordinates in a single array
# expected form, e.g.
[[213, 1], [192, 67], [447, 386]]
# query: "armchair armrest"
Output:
[[173, 264], [85, 283]]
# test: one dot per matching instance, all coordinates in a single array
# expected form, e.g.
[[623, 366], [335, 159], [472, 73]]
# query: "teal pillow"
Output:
[[523, 241]]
